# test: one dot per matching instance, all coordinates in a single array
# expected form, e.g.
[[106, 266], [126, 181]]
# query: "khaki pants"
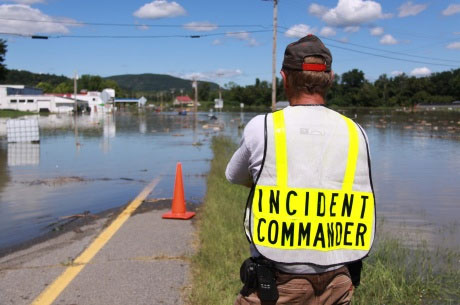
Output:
[[328, 288]]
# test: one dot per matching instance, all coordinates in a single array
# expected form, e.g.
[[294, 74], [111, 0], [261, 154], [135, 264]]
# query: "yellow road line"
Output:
[[50, 294]]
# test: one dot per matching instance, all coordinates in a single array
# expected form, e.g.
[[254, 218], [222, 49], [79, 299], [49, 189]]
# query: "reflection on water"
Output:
[[416, 172], [4, 171], [23, 154], [415, 169]]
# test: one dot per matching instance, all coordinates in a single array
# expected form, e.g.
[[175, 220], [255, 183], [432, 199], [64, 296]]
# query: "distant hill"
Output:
[[129, 82], [154, 82], [30, 79]]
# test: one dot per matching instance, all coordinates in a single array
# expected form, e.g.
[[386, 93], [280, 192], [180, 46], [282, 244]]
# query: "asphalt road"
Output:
[[145, 262]]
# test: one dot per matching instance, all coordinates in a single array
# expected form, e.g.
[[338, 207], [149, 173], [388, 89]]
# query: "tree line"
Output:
[[353, 89], [349, 89], [51, 83]]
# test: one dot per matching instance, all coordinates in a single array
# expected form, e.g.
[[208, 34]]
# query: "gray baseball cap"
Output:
[[309, 45]]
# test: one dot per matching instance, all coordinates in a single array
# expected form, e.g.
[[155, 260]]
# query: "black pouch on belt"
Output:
[[355, 272], [248, 276], [266, 283], [259, 275]]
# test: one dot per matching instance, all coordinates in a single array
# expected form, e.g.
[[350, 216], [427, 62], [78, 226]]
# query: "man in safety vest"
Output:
[[310, 215]]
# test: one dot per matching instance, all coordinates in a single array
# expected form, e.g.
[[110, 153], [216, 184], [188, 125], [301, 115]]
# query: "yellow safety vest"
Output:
[[302, 224]]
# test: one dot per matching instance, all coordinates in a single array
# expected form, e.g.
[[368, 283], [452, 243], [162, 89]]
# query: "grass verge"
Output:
[[222, 243], [392, 274], [13, 113]]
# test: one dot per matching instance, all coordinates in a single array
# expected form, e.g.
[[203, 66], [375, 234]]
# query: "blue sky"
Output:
[[240, 43]]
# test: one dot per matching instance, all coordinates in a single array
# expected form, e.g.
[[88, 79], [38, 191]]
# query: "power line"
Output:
[[17, 34], [394, 58], [241, 32], [392, 52], [381, 50], [136, 36], [233, 32], [69, 22], [122, 36]]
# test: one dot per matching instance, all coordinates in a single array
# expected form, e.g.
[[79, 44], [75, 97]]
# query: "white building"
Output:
[[19, 97], [97, 101]]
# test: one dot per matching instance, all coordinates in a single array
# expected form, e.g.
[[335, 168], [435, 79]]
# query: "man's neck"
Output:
[[307, 99]]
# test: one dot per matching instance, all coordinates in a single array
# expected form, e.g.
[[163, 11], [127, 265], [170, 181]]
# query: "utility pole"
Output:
[[75, 93], [195, 108], [221, 102], [275, 28], [385, 92], [161, 101], [75, 108], [195, 103]]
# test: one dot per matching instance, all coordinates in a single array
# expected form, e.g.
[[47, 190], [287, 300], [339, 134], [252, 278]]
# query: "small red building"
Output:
[[183, 101]]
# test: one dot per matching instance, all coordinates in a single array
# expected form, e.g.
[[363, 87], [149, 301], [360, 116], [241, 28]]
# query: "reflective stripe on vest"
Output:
[[311, 225]]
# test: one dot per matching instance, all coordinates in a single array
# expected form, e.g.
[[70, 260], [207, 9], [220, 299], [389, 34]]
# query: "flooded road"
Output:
[[416, 167], [116, 156]]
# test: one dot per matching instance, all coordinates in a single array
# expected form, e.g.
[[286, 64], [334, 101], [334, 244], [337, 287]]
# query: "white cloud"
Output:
[[193, 76], [217, 42], [327, 32], [388, 39], [299, 31], [420, 72], [223, 73], [451, 10], [239, 35], [396, 73], [44, 25], [349, 12], [211, 75], [27, 2], [160, 9], [454, 45], [351, 29], [317, 10], [253, 42], [377, 31], [143, 27], [243, 36], [200, 26], [411, 9]]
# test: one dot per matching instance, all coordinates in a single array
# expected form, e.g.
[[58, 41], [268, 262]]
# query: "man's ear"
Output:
[[283, 75], [332, 75]]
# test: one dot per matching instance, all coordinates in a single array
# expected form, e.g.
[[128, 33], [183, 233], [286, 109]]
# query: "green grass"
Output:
[[13, 113], [392, 274], [222, 243]]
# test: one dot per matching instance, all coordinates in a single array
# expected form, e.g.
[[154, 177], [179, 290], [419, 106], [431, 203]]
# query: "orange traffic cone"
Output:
[[178, 203]]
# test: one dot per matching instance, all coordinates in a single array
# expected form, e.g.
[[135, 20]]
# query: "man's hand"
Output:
[[249, 184]]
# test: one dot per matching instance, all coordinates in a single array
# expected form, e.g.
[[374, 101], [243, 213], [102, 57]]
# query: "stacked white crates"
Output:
[[23, 138], [22, 131]]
